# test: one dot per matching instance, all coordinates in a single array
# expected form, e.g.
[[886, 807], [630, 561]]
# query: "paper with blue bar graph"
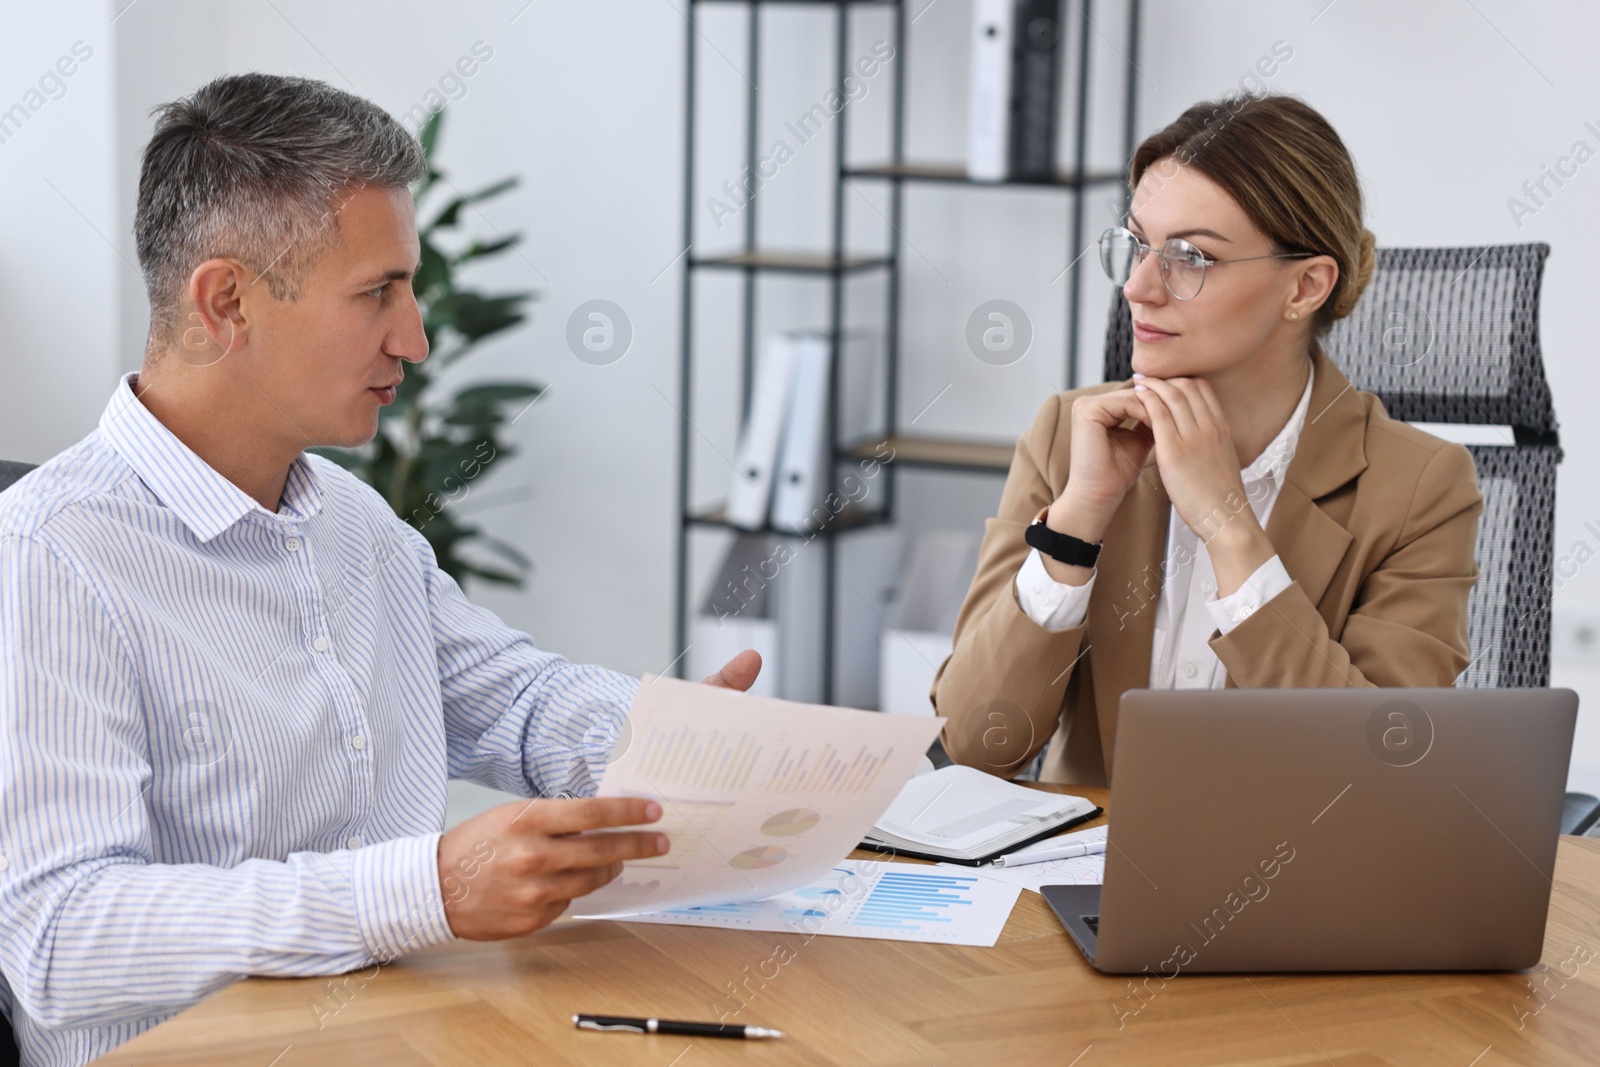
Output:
[[871, 898]]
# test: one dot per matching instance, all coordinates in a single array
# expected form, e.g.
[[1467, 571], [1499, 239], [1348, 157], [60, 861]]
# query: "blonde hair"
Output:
[[1280, 161]]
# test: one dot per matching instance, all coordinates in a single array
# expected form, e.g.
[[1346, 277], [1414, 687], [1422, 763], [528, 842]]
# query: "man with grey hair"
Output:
[[233, 683]]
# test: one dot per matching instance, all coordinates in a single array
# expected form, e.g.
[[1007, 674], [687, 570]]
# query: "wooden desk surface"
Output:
[[1030, 1000]]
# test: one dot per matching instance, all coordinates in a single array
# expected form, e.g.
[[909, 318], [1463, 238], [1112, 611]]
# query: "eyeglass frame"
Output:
[[1207, 262]]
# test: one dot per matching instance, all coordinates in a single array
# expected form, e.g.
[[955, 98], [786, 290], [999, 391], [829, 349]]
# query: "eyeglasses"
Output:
[[1183, 266]]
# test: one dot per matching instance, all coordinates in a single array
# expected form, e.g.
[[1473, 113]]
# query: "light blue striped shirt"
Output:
[[226, 732]]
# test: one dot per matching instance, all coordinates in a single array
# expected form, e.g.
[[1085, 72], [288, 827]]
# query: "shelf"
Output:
[[957, 174], [842, 268], [948, 453], [850, 518], [791, 262]]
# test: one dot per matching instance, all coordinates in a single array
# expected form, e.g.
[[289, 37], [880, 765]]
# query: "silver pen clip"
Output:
[[590, 1024]]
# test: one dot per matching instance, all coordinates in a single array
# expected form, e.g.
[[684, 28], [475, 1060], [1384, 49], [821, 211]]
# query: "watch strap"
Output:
[[1061, 547]]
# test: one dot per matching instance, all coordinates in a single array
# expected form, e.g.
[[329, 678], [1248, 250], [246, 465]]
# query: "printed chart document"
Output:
[[871, 898], [759, 796]]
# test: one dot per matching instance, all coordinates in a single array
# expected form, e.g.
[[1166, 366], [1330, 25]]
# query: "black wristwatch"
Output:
[[1059, 546]]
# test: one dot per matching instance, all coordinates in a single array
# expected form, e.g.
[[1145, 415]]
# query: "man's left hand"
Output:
[[739, 672]]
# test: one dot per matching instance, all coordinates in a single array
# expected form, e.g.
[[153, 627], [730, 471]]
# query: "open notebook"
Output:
[[962, 815]]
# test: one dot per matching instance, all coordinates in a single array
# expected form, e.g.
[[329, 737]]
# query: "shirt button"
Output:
[[358, 742], [1246, 611], [1207, 587], [353, 841], [1189, 670], [292, 544], [320, 644], [4, 863]]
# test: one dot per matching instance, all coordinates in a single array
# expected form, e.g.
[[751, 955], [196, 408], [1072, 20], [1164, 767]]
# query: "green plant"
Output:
[[426, 443]]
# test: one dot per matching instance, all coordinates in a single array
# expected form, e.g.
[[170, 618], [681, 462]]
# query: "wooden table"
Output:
[[1031, 1000]]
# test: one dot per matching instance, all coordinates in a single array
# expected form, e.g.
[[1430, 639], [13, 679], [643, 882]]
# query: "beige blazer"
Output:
[[1376, 524]]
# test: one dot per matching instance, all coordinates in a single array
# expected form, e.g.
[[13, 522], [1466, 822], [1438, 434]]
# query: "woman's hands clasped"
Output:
[[1195, 453], [1182, 420]]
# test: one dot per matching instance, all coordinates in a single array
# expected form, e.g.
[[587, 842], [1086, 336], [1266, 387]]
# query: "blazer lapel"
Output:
[[1122, 612], [1331, 451]]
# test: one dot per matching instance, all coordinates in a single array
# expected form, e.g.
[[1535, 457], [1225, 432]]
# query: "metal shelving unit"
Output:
[[834, 266]]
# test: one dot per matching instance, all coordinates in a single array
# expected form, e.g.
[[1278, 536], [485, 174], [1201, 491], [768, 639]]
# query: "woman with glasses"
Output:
[[1235, 514]]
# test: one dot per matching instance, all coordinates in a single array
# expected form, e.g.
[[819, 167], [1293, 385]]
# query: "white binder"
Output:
[[757, 458], [989, 100], [803, 461]]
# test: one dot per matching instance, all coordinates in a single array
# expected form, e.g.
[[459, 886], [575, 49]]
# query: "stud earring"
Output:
[[1293, 314]]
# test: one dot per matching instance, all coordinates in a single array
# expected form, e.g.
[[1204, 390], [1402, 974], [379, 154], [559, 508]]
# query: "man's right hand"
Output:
[[514, 869]]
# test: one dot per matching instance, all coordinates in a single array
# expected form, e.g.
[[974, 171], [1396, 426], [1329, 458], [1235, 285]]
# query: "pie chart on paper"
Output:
[[791, 822], [755, 859]]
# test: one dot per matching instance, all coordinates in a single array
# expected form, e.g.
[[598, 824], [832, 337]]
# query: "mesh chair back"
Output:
[[1451, 335], [10, 471]]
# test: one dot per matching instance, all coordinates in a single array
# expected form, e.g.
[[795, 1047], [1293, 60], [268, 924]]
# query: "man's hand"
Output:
[[514, 869], [739, 672]]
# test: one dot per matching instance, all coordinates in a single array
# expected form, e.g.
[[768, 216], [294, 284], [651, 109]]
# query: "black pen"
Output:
[[669, 1026]]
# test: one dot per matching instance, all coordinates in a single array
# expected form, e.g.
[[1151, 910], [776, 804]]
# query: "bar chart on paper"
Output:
[[915, 901], [870, 898]]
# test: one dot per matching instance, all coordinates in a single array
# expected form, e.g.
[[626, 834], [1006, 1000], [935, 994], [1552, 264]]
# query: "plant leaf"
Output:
[[481, 249], [488, 575], [497, 392], [451, 215], [434, 274], [475, 316], [496, 545]]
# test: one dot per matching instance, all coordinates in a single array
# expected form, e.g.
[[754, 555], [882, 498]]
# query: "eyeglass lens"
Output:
[[1182, 266]]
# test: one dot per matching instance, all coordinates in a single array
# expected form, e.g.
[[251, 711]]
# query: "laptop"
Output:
[[1327, 830]]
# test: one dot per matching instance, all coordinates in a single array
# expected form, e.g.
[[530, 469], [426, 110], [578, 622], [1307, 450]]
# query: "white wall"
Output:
[[1447, 109], [60, 255]]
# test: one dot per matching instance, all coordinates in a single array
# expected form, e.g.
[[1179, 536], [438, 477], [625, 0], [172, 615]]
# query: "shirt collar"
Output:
[[204, 500], [1275, 458]]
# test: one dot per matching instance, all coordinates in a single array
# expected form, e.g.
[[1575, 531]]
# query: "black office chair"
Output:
[[10, 471], [1451, 335]]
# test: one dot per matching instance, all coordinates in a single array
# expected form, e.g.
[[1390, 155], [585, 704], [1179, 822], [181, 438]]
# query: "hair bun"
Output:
[[1350, 289]]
